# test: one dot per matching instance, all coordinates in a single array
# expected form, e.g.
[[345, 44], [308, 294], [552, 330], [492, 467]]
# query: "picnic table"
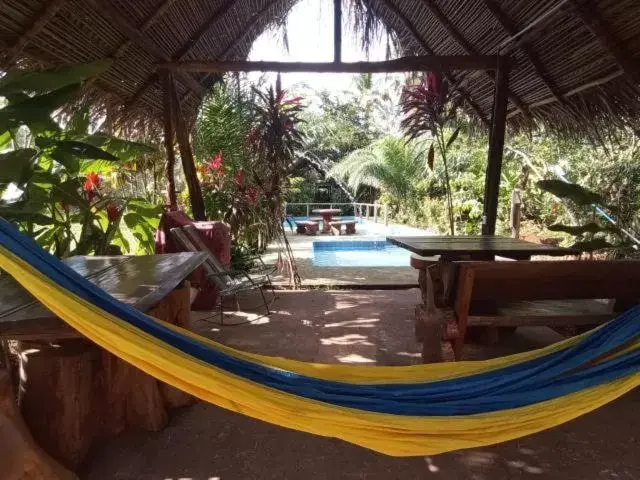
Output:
[[439, 253], [71, 391], [326, 214]]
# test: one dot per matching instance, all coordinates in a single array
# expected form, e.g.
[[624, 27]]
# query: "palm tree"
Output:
[[391, 165]]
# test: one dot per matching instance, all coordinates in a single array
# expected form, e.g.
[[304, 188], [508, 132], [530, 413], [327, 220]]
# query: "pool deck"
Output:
[[340, 277]]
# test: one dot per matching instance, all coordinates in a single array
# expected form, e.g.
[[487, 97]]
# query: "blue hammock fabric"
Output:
[[602, 357]]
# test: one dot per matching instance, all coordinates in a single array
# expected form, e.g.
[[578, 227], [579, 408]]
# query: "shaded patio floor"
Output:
[[204, 442]]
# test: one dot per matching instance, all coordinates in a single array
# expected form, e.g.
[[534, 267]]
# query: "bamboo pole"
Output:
[[402, 64]]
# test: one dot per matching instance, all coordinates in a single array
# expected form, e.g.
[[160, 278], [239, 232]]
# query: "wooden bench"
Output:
[[349, 227], [564, 295], [307, 227]]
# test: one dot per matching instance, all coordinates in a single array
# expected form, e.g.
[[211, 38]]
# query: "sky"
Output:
[[310, 33]]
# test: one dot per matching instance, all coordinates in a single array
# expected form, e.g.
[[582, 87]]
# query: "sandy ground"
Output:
[[204, 442]]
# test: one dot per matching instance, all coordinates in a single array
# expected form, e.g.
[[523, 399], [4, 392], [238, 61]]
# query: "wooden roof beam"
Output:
[[182, 51], [593, 20], [111, 13], [425, 46], [470, 49], [403, 64], [257, 17], [47, 14], [148, 23], [510, 28]]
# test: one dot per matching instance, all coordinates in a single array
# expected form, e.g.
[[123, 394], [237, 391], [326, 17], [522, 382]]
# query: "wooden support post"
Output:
[[337, 31], [188, 164], [169, 136], [386, 214], [496, 148], [375, 213], [516, 210]]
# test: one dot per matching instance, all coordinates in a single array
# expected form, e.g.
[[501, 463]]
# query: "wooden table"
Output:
[[326, 214], [140, 281], [71, 391], [440, 251], [477, 247]]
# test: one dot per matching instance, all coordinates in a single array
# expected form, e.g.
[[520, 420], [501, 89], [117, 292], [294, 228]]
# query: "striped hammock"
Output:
[[401, 411]]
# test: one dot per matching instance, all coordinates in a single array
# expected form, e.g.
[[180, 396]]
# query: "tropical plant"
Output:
[[391, 165], [599, 229], [49, 178], [428, 109]]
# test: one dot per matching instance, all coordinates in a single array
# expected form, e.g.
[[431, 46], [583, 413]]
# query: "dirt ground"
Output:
[[204, 442]]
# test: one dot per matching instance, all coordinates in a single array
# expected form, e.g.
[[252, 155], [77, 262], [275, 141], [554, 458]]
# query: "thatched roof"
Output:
[[576, 63]]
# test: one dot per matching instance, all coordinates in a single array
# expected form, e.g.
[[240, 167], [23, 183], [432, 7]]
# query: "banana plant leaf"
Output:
[[51, 79], [577, 229], [571, 191], [35, 112], [17, 165]]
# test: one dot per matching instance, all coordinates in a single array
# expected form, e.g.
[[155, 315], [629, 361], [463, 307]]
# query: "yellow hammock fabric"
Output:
[[392, 434]]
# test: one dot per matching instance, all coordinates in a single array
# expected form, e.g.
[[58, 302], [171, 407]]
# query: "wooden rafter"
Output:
[[131, 32], [469, 48], [403, 64], [593, 20], [425, 46], [49, 11], [148, 23], [510, 28], [183, 50], [257, 17]]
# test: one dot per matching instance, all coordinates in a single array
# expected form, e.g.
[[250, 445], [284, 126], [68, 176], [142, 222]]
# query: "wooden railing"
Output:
[[366, 211]]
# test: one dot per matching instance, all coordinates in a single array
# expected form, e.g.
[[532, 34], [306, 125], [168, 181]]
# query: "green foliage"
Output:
[[44, 189], [390, 165], [571, 191]]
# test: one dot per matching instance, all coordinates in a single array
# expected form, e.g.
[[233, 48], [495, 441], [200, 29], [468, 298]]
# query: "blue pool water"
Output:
[[359, 253]]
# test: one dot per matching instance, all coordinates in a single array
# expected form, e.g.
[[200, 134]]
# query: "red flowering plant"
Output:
[[64, 201], [429, 110]]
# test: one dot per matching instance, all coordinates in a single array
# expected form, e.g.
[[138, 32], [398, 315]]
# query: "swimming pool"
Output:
[[359, 253]]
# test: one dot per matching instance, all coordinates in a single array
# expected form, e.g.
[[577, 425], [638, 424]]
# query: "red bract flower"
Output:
[[239, 178], [92, 182], [215, 163], [113, 212], [432, 82], [252, 195], [293, 101]]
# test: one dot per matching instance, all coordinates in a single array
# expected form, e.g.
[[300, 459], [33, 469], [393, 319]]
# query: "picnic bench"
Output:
[[349, 227], [70, 391], [568, 296], [307, 227]]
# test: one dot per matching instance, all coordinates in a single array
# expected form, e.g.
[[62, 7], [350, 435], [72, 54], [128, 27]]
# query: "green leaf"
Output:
[[592, 245], [124, 150], [431, 157], [79, 122], [36, 111], [5, 140], [51, 79], [571, 191], [82, 150], [68, 192], [452, 138], [17, 165], [576, 229]]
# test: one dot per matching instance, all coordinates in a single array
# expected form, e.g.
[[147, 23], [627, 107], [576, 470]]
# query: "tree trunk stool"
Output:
[[74, 392]]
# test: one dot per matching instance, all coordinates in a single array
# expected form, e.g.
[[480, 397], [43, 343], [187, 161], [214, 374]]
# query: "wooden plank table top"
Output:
[[477, 247], [139, 281]]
